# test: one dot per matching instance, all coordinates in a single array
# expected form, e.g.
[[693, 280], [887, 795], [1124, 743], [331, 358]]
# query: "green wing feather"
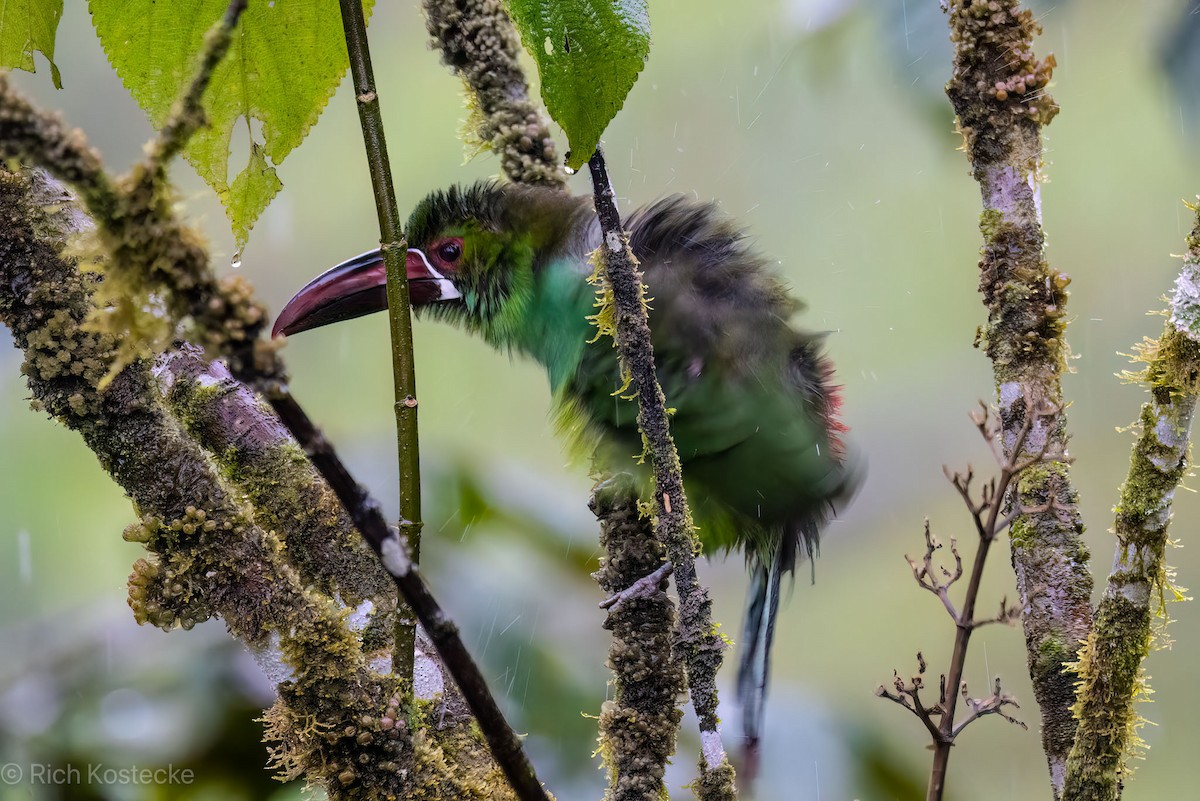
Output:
[[752, 403]]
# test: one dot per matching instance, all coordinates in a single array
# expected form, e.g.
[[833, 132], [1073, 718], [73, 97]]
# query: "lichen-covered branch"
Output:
[[336, 721], [257, 454], [226, 316], [638, 728], [1110, 666], [152, 252], [998, 90], [699, 645], [138, 214], [639, 725], [477, 40]]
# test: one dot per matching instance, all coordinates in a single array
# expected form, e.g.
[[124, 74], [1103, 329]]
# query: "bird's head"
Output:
[[471, 259]]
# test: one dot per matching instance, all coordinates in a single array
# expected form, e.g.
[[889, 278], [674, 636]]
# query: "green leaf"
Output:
[[287, 58], [589, 54], [26, 26], [250, 193]]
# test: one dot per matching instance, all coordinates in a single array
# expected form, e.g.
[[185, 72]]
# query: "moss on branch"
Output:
[[639, 725], [338, 723], [999, 92], [698, 643], [257, 454], [1111, 678], [477, 40]]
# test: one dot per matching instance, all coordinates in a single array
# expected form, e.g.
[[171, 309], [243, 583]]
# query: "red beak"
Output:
[[358, 287]]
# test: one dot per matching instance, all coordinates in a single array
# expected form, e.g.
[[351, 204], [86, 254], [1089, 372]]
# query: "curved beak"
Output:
[[358, 287]]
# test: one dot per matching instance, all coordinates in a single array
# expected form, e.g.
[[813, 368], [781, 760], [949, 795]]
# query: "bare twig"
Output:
[[987, 509], [990, 705], [645, 586], [926, 576], [908, 695]]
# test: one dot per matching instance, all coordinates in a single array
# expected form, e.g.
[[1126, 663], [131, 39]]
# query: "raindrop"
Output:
[[129, 716], [236, 261], [24, 557]]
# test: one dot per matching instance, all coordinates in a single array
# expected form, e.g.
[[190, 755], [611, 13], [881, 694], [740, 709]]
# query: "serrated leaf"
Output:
[[287, 58], [27, 26], [250, 193], [588, 54]]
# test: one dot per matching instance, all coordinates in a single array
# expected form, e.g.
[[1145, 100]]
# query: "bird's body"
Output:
[[754, 415]]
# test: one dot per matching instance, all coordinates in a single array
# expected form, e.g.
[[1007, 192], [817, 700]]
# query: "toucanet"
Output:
[[755, 415]]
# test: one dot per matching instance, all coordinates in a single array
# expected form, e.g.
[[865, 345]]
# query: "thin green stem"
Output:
[[394, 249]]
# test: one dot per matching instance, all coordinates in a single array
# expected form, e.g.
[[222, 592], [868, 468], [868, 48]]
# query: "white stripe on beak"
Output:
[[447, 288]]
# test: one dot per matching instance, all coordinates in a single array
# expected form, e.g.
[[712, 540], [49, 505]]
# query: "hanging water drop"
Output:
[[236, 261], [25, 556]]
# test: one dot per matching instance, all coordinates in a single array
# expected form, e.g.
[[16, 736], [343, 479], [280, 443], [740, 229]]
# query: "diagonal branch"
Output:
[[208, 553], [228, 318]]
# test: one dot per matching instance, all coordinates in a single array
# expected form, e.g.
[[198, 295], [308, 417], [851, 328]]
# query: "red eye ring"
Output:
[[449, 251]]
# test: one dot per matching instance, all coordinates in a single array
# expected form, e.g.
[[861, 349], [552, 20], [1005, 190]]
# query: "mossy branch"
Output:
[[638, 728], [146, 246], [998, 90], [697, 641], [1111, 678], [336, 720], [257, 454], [639, 725], [151, 252], [477, 40]]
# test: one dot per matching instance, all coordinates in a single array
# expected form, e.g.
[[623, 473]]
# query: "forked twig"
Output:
[[993, 508]]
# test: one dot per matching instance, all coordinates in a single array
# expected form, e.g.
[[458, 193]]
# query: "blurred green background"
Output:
[[820, 124]]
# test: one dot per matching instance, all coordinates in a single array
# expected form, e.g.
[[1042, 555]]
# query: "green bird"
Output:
[[755, 410]]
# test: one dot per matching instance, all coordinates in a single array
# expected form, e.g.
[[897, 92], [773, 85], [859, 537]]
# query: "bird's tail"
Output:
[[758, 632]]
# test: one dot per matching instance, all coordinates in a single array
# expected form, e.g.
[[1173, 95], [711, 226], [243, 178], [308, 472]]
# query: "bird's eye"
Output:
[[449, 252]]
